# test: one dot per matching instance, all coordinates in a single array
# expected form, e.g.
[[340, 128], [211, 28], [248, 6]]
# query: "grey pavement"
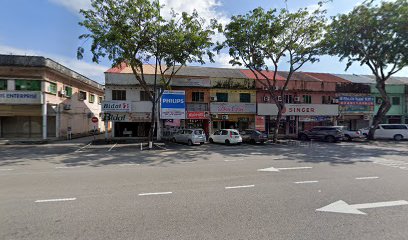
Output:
[[203, 192]]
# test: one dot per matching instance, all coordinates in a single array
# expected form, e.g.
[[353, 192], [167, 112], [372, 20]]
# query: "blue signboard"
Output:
[[173, 104], [356, 100]]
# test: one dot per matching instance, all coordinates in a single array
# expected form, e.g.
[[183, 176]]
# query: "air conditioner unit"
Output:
[[213, 98], [279, 98], [214, 115], [265, 88], [63, 92], [67, 107], [224, 117], [334, 101], [276, 88], [297, 99], [266, 99]]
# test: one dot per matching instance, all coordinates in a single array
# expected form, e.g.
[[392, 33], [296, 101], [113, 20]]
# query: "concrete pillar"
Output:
[[44, 116], [58, 121], [106, 129], [11, 85]]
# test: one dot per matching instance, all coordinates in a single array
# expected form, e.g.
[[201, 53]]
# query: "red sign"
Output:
[[260, 123], [198, 115], [94, 119]]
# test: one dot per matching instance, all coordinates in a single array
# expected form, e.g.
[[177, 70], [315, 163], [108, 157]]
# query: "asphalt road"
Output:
[[79, 191]]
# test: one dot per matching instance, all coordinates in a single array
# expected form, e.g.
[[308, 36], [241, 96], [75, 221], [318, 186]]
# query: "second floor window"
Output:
[[52, 88], [326, 99], [197, 97], [119, 95], [68, 91], [396, 101], [222, 97], [288, 99], [28, 85], [100, 99], [307, 99], [144, 96], [245, 97], [91, 98], [3, 84], [82, 95]]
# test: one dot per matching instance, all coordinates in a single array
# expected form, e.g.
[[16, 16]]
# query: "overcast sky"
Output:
[[50, 28]]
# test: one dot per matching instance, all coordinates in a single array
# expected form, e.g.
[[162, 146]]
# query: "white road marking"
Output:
[[365, 178], [343, 207], [301, 182], [6, 169], [55, 200], [110, 149], [272, 169], [80, 149], [244, 186], [67, 167], [233, 160], [155, 193]]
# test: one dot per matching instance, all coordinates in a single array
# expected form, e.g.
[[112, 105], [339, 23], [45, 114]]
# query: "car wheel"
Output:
[[398, 137], [347, 138], [365, 135], [227, 142], [303, 137], [201, 143], [252, 141], [190, 143], [211, 140], [330, 139]]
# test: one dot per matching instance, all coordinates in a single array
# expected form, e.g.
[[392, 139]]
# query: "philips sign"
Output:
[[173, 105]]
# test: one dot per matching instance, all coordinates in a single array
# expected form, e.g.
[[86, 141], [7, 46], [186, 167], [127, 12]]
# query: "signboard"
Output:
[[172, 122], [198, 115], [220, 107], [314, 118], [356, 100], [127, 117], [267, 109], [349, 109], [260, 123], [94, 119], [20, 97], [173, 104], [116, 106]]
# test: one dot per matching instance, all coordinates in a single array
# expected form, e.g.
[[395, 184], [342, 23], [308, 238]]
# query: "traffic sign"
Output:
[[95, 119]]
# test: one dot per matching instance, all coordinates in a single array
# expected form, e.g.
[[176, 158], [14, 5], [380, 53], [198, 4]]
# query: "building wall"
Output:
[[393, 91]]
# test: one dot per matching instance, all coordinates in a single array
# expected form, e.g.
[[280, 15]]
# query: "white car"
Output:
[[227, 136], [397, 132]]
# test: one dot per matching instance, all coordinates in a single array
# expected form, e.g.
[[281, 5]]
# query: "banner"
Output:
[[220, 107], [260, 123], [198, 115], [356, 100], [173, 104], [116, 106], [268, 109]]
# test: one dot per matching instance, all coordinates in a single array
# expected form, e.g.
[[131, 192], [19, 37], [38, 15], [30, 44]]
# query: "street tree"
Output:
[[134, 33], [263, 41], [375, 36]]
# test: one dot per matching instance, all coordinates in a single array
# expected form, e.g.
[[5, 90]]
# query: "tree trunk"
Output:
[[382, 111], [280, 106]]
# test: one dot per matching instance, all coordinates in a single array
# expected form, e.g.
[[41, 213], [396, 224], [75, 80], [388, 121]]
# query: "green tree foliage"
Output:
[[376, 36], [135, 33], [262, 40]]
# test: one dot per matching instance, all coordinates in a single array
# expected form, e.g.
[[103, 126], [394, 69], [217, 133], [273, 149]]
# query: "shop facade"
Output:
[[298, 117], [355, 111], [239, 116]]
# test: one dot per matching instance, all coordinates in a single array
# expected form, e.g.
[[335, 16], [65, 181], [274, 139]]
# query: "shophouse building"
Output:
[[308, 102], [41, 99]]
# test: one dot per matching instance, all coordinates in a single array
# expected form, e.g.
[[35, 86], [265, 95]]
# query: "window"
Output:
[[396, 101], [378, 100], [217, 133], [394, 126], [198, 97], [307, 99], [326, 99], [3, 84], [68, 91], [222, 97], [245, 97], [52, 88], [224, 132], [100, 99], [28, 85], [91, 98], [288, 99], [82, 95], [118, 94], [144, 96]]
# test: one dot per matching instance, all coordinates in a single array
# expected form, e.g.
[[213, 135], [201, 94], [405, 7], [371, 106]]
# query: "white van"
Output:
[[392, 131]]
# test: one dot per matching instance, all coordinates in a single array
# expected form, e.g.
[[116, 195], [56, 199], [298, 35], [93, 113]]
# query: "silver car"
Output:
[[189, 136]]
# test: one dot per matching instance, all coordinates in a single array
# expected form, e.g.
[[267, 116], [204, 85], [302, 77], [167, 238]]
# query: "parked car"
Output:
[[190, 136], [397, 132], [349, 135], [227, 136], [253, 136], [364, 131], [323, 133]]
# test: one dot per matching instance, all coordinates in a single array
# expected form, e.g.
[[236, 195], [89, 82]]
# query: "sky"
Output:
[[50, 28]]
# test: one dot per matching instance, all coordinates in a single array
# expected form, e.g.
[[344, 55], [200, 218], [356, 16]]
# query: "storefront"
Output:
[[298, 117], [355, 111], [172, 112], [198, 120], [239, 116]]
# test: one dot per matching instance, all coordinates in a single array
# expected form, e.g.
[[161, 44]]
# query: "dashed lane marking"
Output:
[[67, 167], [155, 193], [302, 182], [244, 186], [110, 149], [81, 148], [6, 169], [366, 178], [55, 200]]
